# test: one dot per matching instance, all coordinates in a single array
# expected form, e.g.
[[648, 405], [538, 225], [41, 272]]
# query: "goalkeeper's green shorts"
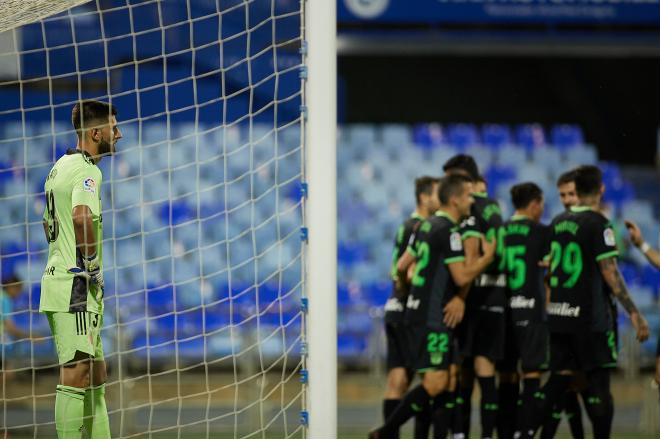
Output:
[[76, 331]]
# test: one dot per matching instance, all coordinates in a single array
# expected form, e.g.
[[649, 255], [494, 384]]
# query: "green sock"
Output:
[[97, 423], [69, 407]]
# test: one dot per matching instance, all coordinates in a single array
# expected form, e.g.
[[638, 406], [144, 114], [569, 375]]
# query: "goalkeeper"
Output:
[[72, 283]]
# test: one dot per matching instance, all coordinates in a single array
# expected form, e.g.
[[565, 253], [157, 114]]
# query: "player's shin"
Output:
[[97, 422], [414, 402], [508, 398], [599, 403], [463, 411], [423, 424], [526, 401], [69, 408], [552, 394], [574, 414], [489, 406], [442, 409]]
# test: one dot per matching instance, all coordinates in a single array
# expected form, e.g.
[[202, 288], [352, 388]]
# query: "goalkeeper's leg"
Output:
[[97, 422]]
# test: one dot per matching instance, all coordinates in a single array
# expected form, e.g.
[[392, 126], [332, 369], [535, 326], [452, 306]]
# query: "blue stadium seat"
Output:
[[530, 136], [429, 136], [361, 135], [496, 136], [566, 136], [378, 293], [396, 134], [351, 346], [463, 135]]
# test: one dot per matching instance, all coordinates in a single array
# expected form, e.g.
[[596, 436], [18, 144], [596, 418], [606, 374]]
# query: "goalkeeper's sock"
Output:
[[415, 401], [97, 422], [69, 408]]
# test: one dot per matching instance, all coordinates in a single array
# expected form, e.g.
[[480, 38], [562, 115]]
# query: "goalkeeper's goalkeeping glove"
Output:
[[91, 273]]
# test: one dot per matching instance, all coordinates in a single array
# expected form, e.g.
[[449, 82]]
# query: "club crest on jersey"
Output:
[[455, 242], [89, 185], [608, 235]]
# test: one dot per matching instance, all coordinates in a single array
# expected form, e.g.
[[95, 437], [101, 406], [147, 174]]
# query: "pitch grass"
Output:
[[346, 436]]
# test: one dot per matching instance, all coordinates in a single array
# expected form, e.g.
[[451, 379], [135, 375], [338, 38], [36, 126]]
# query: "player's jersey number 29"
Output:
[[568, 261]]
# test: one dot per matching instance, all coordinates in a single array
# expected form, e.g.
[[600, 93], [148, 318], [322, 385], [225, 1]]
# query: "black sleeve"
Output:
[[604, 240], [470, 228], [451, 245]]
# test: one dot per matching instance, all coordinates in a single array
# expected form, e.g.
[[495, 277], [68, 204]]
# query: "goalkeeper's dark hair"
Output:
[[424, 185], [89, 113], [524, 193], [464, 163], [588, 180], [566, 177], [452, 185]]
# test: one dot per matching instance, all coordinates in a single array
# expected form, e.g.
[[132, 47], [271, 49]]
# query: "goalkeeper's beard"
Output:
[[105, 148]]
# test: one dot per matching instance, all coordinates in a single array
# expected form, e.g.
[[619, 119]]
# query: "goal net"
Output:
[[202, 209]]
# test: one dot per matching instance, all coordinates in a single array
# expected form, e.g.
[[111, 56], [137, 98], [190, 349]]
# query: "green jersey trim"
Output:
[[613, 253], [471, 234], [519, 217], [580, 208], [454, 260], [412, 251], [444, 214]]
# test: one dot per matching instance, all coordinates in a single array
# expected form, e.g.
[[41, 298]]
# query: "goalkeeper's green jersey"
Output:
[[73, 181]]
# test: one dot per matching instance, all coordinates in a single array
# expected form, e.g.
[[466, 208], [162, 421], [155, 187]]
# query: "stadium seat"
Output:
[[462, 135], [566, 136], [496, 136], [428, 136], [530, 136]]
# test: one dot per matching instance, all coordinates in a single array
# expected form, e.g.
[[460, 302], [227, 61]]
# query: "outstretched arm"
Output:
[[637, 239], [610, 271]]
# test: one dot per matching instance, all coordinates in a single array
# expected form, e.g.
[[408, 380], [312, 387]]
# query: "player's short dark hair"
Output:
[[464, 163], [424, 185], [452, 185], [588, 180], [89, 112], [524, 193], [566, 177]]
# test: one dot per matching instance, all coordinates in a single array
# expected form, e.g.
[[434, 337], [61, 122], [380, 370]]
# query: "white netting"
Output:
[[201, 211], [14, 13]]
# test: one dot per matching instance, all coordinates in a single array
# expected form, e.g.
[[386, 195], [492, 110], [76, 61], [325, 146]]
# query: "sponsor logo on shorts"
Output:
[[394, 305], [89, 185], [563, 309], [413, 303], [521, 302]]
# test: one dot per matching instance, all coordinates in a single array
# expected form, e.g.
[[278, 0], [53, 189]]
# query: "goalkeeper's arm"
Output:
[[83, 226], [84, 229]]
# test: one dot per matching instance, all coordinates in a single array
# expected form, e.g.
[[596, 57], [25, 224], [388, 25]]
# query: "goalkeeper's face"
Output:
[[109, 136]]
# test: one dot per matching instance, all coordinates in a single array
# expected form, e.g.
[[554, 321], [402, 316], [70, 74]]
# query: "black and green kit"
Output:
[[437, 244]]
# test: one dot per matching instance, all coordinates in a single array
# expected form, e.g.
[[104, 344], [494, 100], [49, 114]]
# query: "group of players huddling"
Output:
[[503, 302]]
